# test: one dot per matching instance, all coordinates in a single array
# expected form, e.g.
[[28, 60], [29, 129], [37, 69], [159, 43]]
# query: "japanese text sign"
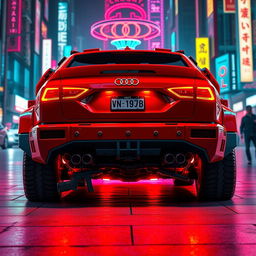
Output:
[[62, 27], [229, 6], [245, 40], [202, 52], [14, 25]]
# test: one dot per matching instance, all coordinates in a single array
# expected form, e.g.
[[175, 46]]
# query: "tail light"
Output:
[[204, 93], [50, 94], [72, 92], [187, 92], [183, 92], [53, 94]]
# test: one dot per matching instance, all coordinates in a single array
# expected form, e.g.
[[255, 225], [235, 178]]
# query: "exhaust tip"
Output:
[[76, 159], [87, 159], [180, 158], [169, 159]]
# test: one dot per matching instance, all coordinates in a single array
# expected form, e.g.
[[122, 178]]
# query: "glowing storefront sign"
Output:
[[47, 54], [14, 8], [125, 20], [223, 72], [156, 15], [44, 30], [21, 103], [46, 9], [251, 101], [233, 72], [229, 6], [238, 106], [202, 52], [1, 114], [245, 40], [37, 26], [173, 41], [210, 7], [62, 27], [67, 50]]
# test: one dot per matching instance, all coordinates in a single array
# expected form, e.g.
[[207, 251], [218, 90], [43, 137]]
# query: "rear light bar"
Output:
[[187, 92], [53, 94]]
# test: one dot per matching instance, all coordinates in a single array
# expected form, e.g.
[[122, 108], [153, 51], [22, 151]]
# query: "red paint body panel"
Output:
[[165, 112], [117, 131]]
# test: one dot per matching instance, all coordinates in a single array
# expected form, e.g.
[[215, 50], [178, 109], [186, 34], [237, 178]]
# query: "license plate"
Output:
[[127, 104]]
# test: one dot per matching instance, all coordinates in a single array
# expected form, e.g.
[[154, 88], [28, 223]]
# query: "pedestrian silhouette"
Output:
[[248, 131]]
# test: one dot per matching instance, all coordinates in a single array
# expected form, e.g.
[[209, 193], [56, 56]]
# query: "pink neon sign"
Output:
[[14, 8], [125, 19], [156, 15]]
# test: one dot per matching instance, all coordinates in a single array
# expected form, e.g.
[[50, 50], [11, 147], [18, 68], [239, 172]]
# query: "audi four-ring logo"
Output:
[[127, 81]]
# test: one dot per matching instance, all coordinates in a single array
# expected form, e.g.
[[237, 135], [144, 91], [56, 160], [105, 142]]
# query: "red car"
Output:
[[128, 115]]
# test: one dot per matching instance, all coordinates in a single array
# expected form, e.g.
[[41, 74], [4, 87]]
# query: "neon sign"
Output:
[[37, 26], [156, 15], [245, 40], [203, 52], [126, 23], [62, 27], [14, 25], [47, 54]]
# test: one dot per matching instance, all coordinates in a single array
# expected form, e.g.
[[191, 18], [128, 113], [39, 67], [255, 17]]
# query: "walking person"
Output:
[[248, 131]]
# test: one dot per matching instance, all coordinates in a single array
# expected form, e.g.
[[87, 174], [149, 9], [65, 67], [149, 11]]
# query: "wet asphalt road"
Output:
[[145, 218]]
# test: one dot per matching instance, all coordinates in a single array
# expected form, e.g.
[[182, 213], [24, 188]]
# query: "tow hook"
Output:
[[73, 183]]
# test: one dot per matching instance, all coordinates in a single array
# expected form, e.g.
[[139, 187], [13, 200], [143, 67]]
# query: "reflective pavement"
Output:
[[145, 218]]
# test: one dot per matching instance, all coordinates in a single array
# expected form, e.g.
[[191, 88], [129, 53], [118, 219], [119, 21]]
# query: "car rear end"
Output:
[[127, 115]]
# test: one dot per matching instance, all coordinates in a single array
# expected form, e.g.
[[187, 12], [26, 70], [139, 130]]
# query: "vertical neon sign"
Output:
[[14, 8], [62, 27], [245, 40], [127, 23], [37, 27], [47, 54], [156, 14]]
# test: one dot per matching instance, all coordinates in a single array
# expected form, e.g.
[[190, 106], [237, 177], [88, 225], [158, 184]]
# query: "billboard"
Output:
[[62, 27], [226, 72], [14, 9], [245, 40], [229, 6], [37, 26], [210, 7], [20, 104], [222, 64], [156, 15], [47, 54], [173, 41], [203, 52]]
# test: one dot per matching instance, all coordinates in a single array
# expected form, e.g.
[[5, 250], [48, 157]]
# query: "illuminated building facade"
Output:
[[131, 23]]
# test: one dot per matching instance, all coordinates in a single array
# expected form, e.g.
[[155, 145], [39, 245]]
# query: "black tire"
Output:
[[183, 183], [5, 144], [40, 181], [217, 180]]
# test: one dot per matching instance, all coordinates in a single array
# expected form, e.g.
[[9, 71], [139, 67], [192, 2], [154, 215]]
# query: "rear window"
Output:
[[105, 58]]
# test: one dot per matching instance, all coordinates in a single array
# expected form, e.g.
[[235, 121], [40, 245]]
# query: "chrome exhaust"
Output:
[[180, 158], [169, 159], [87, 159], [75, 159]]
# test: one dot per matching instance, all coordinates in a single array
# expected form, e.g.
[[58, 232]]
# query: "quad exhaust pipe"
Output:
[[87, 159], [77, 159], [170, 158]]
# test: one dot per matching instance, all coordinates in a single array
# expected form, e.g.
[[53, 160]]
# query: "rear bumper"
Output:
[[45, 141]]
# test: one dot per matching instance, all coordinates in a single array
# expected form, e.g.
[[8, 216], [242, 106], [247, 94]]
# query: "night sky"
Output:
[[86, 13]]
